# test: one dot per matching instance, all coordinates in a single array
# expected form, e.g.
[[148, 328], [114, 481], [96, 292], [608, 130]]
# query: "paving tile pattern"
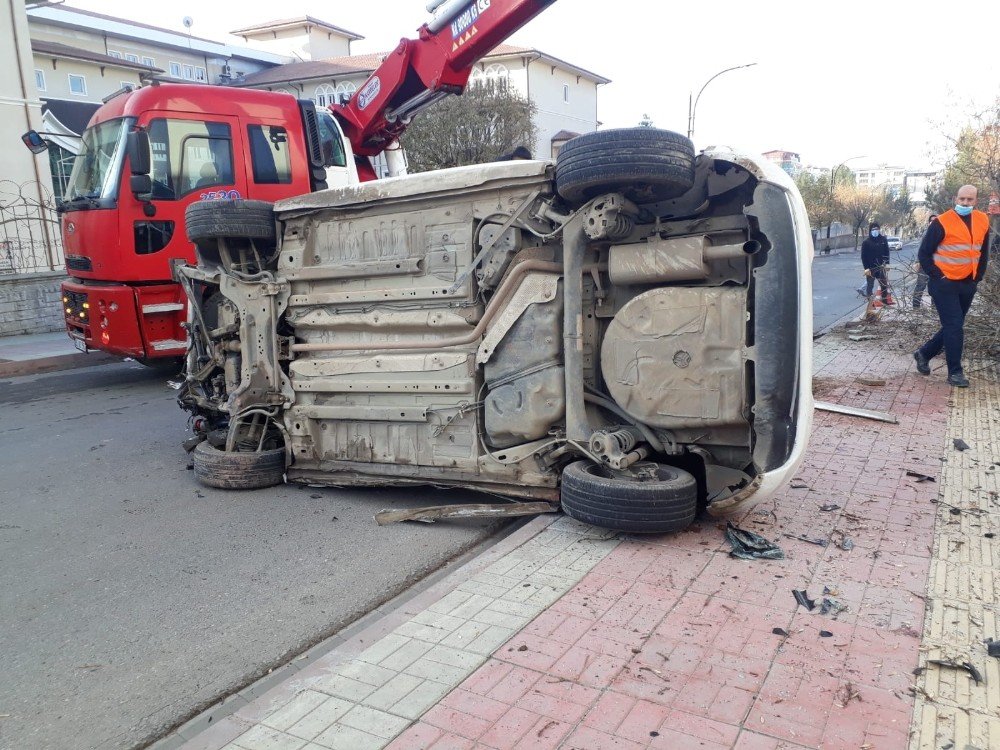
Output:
[[964, 586], [669, 643], [413, 672]]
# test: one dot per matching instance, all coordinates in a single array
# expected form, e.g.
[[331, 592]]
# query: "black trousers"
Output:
[[877, 273], [952, 300]]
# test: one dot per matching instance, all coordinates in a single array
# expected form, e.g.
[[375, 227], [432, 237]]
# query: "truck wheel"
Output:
[[207, 221], [238, 471], [643, 164], [666, 502]]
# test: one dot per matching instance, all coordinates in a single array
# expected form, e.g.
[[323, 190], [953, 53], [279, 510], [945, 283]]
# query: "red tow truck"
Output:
[[149, 153]]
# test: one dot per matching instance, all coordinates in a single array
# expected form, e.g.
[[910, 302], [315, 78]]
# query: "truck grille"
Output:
[[78, 263], [76, 307]]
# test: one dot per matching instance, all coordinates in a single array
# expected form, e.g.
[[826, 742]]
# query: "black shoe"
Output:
[[958, 380], [923, 364]]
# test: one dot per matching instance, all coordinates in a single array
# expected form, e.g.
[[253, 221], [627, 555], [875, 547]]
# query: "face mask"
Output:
[[875, 233], [963, 210]]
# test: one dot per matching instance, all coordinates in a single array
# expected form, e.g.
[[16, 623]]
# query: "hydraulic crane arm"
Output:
[[420, 71]]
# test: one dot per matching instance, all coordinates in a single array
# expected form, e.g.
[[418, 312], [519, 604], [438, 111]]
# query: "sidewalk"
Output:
[[43, 352], [564, 636]]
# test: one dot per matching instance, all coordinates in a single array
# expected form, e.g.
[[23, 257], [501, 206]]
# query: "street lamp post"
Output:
[[833, 184], [693, 105]]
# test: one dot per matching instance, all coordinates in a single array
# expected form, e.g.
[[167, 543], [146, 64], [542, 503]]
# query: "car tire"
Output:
[[643, 164], [207, 221], [238, 471], [591, 495]]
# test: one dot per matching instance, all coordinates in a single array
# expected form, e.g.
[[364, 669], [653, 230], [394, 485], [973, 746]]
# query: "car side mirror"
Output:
[[137, 147], [35, 143]]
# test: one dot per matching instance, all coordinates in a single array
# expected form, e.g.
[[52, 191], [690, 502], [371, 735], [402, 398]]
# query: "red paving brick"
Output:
[[669, 643]]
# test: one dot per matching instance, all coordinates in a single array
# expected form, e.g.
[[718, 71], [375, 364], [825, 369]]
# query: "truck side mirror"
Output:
[[137, 148], [141, 185], [35, 143]]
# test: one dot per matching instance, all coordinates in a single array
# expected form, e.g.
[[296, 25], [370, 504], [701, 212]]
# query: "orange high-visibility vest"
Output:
[[958, 254]]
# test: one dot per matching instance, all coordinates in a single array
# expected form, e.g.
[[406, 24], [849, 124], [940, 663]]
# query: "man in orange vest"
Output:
[[953, 254]]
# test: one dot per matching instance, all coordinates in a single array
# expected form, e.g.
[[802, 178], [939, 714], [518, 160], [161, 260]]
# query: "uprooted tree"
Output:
[[489, 120]]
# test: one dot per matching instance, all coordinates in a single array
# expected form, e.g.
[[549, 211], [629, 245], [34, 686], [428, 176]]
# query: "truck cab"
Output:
[[185, 144]]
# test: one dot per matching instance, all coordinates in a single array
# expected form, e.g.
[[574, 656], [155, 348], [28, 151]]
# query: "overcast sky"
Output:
[[883, 79]]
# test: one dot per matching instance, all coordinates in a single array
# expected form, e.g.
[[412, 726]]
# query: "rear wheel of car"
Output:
[[644, 164], [230, 470], [655, 499]]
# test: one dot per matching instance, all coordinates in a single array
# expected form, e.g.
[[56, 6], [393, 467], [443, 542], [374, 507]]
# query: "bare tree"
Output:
[[860, 204], [489, 120]]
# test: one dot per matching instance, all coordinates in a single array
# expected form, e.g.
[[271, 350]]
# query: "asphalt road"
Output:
[[130, 596], [837, 277]]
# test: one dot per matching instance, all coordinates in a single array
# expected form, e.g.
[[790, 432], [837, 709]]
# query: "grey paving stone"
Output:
[[370, 674], [393, 691], [379, 650], [295, 709], [320, 718], [438, 672], [340, 737], [343, 687], [266, 738], [418, 701], [406, 654], [373, 721]]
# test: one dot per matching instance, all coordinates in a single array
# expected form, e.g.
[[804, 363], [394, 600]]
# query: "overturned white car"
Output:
[[626, 331]]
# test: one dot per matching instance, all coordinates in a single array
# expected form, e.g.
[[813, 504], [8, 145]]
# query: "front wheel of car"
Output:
[[651, 499], [238, 470]]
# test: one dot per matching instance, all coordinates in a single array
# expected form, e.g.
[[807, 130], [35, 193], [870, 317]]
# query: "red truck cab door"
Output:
[[193, 157]]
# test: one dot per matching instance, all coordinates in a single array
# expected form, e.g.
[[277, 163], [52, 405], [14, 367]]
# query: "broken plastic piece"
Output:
[[817, 542], [829, 507], [779, 631], [920, 477], [750, 546], [961, 444], [966, 666], [831, 607], [472, 510], [993, 648], [803, 600], [825, 634], [878, 416]]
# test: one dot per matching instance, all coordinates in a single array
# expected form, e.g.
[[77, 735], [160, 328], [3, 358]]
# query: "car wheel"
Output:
[[207, 221], [238, 470], [643, 164], [664, 500]]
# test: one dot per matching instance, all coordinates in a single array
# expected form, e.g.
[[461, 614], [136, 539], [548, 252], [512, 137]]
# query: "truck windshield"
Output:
[[98, 167]]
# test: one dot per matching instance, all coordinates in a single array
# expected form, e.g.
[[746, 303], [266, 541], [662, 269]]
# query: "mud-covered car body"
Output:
[[471, 328]]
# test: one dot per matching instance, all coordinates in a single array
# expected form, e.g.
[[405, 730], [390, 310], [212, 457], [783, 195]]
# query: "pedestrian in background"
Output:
[[953, 254], [875, 259], [921, 284]]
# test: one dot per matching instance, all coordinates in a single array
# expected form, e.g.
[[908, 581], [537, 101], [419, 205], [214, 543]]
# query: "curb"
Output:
[[17, 368]]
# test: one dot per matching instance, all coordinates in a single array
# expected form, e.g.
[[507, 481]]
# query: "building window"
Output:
[[175, 70], [199, 75], [77, 85], [189, 72], [132, 58], [149, 61], [495, 72], [114, 54], [40, 80], [325, 95], [345, 91], [565, 92]]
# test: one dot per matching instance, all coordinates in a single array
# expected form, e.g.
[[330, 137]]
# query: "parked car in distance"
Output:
[[895, 243]]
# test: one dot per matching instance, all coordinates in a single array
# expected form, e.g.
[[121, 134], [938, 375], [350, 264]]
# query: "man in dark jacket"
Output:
[[875, 259]]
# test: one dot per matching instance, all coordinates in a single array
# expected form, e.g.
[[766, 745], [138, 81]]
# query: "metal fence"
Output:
[[30, 239]]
